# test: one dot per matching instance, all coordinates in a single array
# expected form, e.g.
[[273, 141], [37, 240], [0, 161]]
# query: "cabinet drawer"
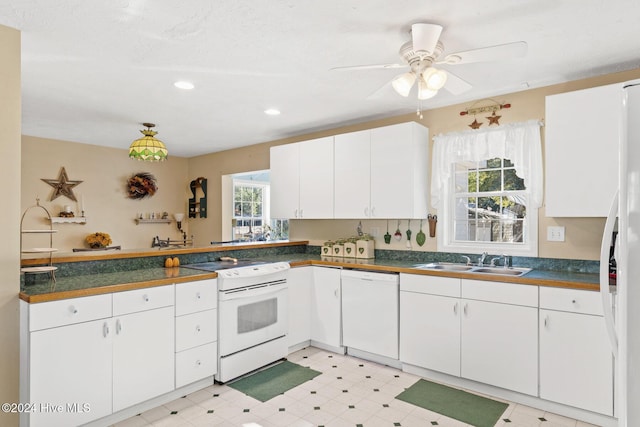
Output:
[[196, 296], [142, 299], [196, 329], [69, 311], [506, 293], [435, 285], [195, 364], [571, 300]]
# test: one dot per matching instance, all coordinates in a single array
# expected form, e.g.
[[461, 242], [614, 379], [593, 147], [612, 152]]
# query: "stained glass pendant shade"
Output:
[[148, 148]]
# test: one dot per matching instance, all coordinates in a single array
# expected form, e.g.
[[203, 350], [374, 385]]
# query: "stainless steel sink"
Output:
[[510, 271], [447, 266]]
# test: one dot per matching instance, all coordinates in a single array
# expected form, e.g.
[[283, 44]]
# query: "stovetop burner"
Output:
[[222, 265]]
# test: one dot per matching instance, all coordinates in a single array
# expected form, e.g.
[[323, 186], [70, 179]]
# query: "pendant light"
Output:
[[148, 148]]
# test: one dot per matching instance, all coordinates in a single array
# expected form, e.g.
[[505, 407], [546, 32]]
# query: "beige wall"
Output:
[[109, 210], [10, 216], [104, 173], [583, 235]]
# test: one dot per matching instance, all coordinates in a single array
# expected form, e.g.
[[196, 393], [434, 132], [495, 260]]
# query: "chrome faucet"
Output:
[[482, 258], [467, 259], [506, 261]]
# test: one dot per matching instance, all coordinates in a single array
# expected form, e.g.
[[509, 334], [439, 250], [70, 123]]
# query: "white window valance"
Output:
[[518, 142]]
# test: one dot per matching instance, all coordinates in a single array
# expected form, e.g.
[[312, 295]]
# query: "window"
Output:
[[487, 187], [490, 202], [250, 218]]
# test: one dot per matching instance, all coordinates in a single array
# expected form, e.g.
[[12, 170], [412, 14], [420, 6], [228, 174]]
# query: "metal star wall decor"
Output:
[[62, 186], [475, 124], [493, 119]]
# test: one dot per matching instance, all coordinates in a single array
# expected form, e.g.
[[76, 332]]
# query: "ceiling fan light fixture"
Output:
[[148, 148], [423, 90], [403, 83], [435, 79]]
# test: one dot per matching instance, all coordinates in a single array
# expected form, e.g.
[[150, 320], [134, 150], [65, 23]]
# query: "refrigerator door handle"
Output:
[[604, 274]]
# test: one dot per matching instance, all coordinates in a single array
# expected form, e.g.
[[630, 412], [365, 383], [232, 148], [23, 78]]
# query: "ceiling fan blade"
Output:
[[485, 54], [424, 37], [382, 92], [455, 85], [369, 67]]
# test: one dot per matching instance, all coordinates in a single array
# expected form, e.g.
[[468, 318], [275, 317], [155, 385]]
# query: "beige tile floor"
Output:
[[349, 393]]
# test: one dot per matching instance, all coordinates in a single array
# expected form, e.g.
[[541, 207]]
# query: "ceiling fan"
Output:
[[425, 49]]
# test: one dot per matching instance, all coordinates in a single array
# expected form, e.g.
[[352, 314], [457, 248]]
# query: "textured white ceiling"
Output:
[[92, 70]]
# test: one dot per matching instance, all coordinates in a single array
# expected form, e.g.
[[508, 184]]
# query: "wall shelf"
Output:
[[152, 221], [49, 249], [69, 220]]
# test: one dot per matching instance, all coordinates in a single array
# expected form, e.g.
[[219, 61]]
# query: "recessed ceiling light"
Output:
[[184, 85], [272, 112]]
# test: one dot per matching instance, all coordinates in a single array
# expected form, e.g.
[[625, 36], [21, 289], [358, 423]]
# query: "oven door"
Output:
[[250, 316]]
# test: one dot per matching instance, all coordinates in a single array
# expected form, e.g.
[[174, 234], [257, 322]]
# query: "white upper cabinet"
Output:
[[382, 172], [302, 179], [352, 175], [582, 133], [399, 165]]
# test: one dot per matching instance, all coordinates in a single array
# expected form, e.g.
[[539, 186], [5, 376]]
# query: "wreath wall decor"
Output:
[[141, 185]]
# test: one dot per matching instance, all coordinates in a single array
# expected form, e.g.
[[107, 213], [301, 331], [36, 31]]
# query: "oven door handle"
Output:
[[249, 293]]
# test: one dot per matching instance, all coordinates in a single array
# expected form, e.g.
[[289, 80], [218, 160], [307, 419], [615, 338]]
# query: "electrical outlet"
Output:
[[555, 234], [375, 231]]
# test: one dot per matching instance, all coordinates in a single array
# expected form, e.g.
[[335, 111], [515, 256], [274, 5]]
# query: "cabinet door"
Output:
[[299, 289], [430, 332], [71, 365], [576, 365], [285, 181], [352, 175], [325, 302], [143, 356], [399, 164], [316, 178], [582, 131], [500, 345]]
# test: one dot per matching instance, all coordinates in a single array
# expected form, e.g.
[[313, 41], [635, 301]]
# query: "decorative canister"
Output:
[[338, 248], [350, 248], [365, 247], [327, 248]]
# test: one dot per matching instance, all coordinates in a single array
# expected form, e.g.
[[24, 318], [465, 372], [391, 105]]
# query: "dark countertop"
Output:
[[94, 284]]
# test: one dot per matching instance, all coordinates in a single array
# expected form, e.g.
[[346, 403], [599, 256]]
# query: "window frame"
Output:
[[265, 186], [447, 243]]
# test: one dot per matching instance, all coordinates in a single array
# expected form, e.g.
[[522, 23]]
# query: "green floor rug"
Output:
[[453, 403], [275, 380]]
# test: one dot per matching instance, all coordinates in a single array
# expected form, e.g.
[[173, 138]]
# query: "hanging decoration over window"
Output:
[[63, 186], [491, 106]]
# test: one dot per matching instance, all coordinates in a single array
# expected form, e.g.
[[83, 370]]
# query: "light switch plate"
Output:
[[555, 234]]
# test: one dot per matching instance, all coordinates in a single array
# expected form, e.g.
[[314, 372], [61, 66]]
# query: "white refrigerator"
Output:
[[623, 322]]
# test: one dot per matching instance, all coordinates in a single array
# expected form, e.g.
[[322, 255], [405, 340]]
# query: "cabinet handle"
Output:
[[546, 321], [455, 308], [573, 301], [145, 297], [335, 293], [366, 212], [465, 309], [301, 213], [118, 326], [373, 212], [198, 296], [73, 310], [197, 328], [105, 329], [198, 363]]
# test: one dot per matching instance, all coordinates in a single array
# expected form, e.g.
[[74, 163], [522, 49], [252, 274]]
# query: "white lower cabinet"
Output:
[[325, 307], [196, 324], [299, 296], [67, 365], [92, 356], [576, 363], [489, 335], [430, 322], [143, 356]]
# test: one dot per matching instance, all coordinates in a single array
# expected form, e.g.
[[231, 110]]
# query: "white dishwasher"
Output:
[[370, 312]]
